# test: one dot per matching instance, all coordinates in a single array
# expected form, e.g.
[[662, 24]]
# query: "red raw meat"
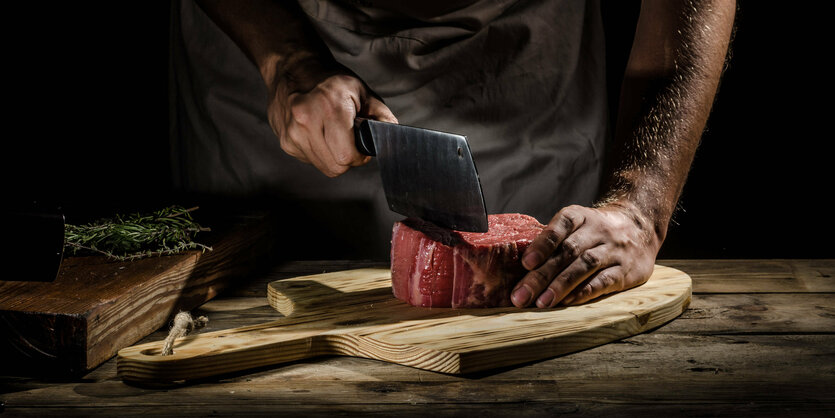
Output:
[[437, 267]]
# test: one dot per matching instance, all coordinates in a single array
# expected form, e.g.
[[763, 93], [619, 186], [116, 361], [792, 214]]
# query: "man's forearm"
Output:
[[669, 85], [277, 38], [312, 100]]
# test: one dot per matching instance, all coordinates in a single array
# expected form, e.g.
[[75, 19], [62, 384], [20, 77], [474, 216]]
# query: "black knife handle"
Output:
[[362, 137]]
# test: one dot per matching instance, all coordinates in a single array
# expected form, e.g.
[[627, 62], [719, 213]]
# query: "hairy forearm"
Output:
[[277, 38], [669, 85]]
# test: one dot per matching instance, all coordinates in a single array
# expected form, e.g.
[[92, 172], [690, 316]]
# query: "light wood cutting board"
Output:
[[353, 313]]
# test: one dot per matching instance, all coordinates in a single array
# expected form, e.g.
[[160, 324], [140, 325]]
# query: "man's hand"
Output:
[[584, 253], [313, 99], [669, 85], [316, 126]]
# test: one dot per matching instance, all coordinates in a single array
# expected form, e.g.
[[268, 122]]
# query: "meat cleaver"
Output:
[[426, 174]]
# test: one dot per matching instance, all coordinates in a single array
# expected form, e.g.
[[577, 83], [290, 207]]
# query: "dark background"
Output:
[[87, 124]]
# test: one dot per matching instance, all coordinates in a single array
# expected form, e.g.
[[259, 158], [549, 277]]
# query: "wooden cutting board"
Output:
[[97, 306], [353, 313]]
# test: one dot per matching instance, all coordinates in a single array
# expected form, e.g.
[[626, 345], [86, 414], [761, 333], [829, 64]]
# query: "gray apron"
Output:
[[523, 80]]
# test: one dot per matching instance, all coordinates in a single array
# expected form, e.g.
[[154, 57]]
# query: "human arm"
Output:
[[670, 81], [312, 99]]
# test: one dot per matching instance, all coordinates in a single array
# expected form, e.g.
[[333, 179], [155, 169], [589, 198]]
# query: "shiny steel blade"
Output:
[[429, 174]]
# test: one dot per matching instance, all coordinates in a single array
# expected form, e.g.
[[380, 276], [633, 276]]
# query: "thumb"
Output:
[[374, 108]]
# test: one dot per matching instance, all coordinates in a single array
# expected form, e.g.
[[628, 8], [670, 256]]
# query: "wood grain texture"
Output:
[[766, 353], [650, 372], [759, 276], [353, 313], [97, 306]]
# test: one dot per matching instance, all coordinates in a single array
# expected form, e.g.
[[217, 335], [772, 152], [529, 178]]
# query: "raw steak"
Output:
[[437, 267]]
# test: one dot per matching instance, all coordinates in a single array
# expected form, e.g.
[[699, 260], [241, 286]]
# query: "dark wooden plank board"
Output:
[[758, 276], [97, 306], [704, 373], [767, 352], [577, 408]]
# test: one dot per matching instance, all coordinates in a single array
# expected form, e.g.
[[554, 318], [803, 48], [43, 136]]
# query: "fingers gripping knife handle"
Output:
[[362, 136]]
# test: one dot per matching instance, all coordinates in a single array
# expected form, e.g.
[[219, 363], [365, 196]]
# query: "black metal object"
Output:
[[426, 174], [34, 247]]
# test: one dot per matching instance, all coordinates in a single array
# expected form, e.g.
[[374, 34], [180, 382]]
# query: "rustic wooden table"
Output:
[[758, 339]]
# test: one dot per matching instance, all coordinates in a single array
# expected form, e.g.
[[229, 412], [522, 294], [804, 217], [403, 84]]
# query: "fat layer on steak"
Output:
[[438, 267]]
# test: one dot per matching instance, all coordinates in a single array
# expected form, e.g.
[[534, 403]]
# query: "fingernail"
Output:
[[521, 297], [531, 260], [545, 299]]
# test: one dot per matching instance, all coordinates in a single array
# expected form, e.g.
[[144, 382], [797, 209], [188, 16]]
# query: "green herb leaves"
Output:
[[167, 231]]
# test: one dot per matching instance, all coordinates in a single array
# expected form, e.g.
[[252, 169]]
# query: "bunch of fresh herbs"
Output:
[[130, 237]]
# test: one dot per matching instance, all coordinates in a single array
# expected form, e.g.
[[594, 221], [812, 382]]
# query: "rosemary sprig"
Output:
[[166, 231]]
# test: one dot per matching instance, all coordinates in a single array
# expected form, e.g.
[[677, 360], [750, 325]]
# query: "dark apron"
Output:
[[523, 80]]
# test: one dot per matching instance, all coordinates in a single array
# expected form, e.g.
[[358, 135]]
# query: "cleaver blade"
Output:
[[426, 174]]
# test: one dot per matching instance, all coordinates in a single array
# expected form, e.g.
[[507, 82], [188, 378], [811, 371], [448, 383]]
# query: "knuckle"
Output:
[[574, 210], [338, 105], [571, 248], [292, 136], [291, 151], [345, 110], [301, 114], [573, 216], [335, 172], [590, 289], [285, 147], [550, 238], [325, 103], [567, 221], [585, 292], [539, 278], [343, 159], [575, 276], [606, 281], [342, 79], [591, 259], [339, 86], [328, 95]]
